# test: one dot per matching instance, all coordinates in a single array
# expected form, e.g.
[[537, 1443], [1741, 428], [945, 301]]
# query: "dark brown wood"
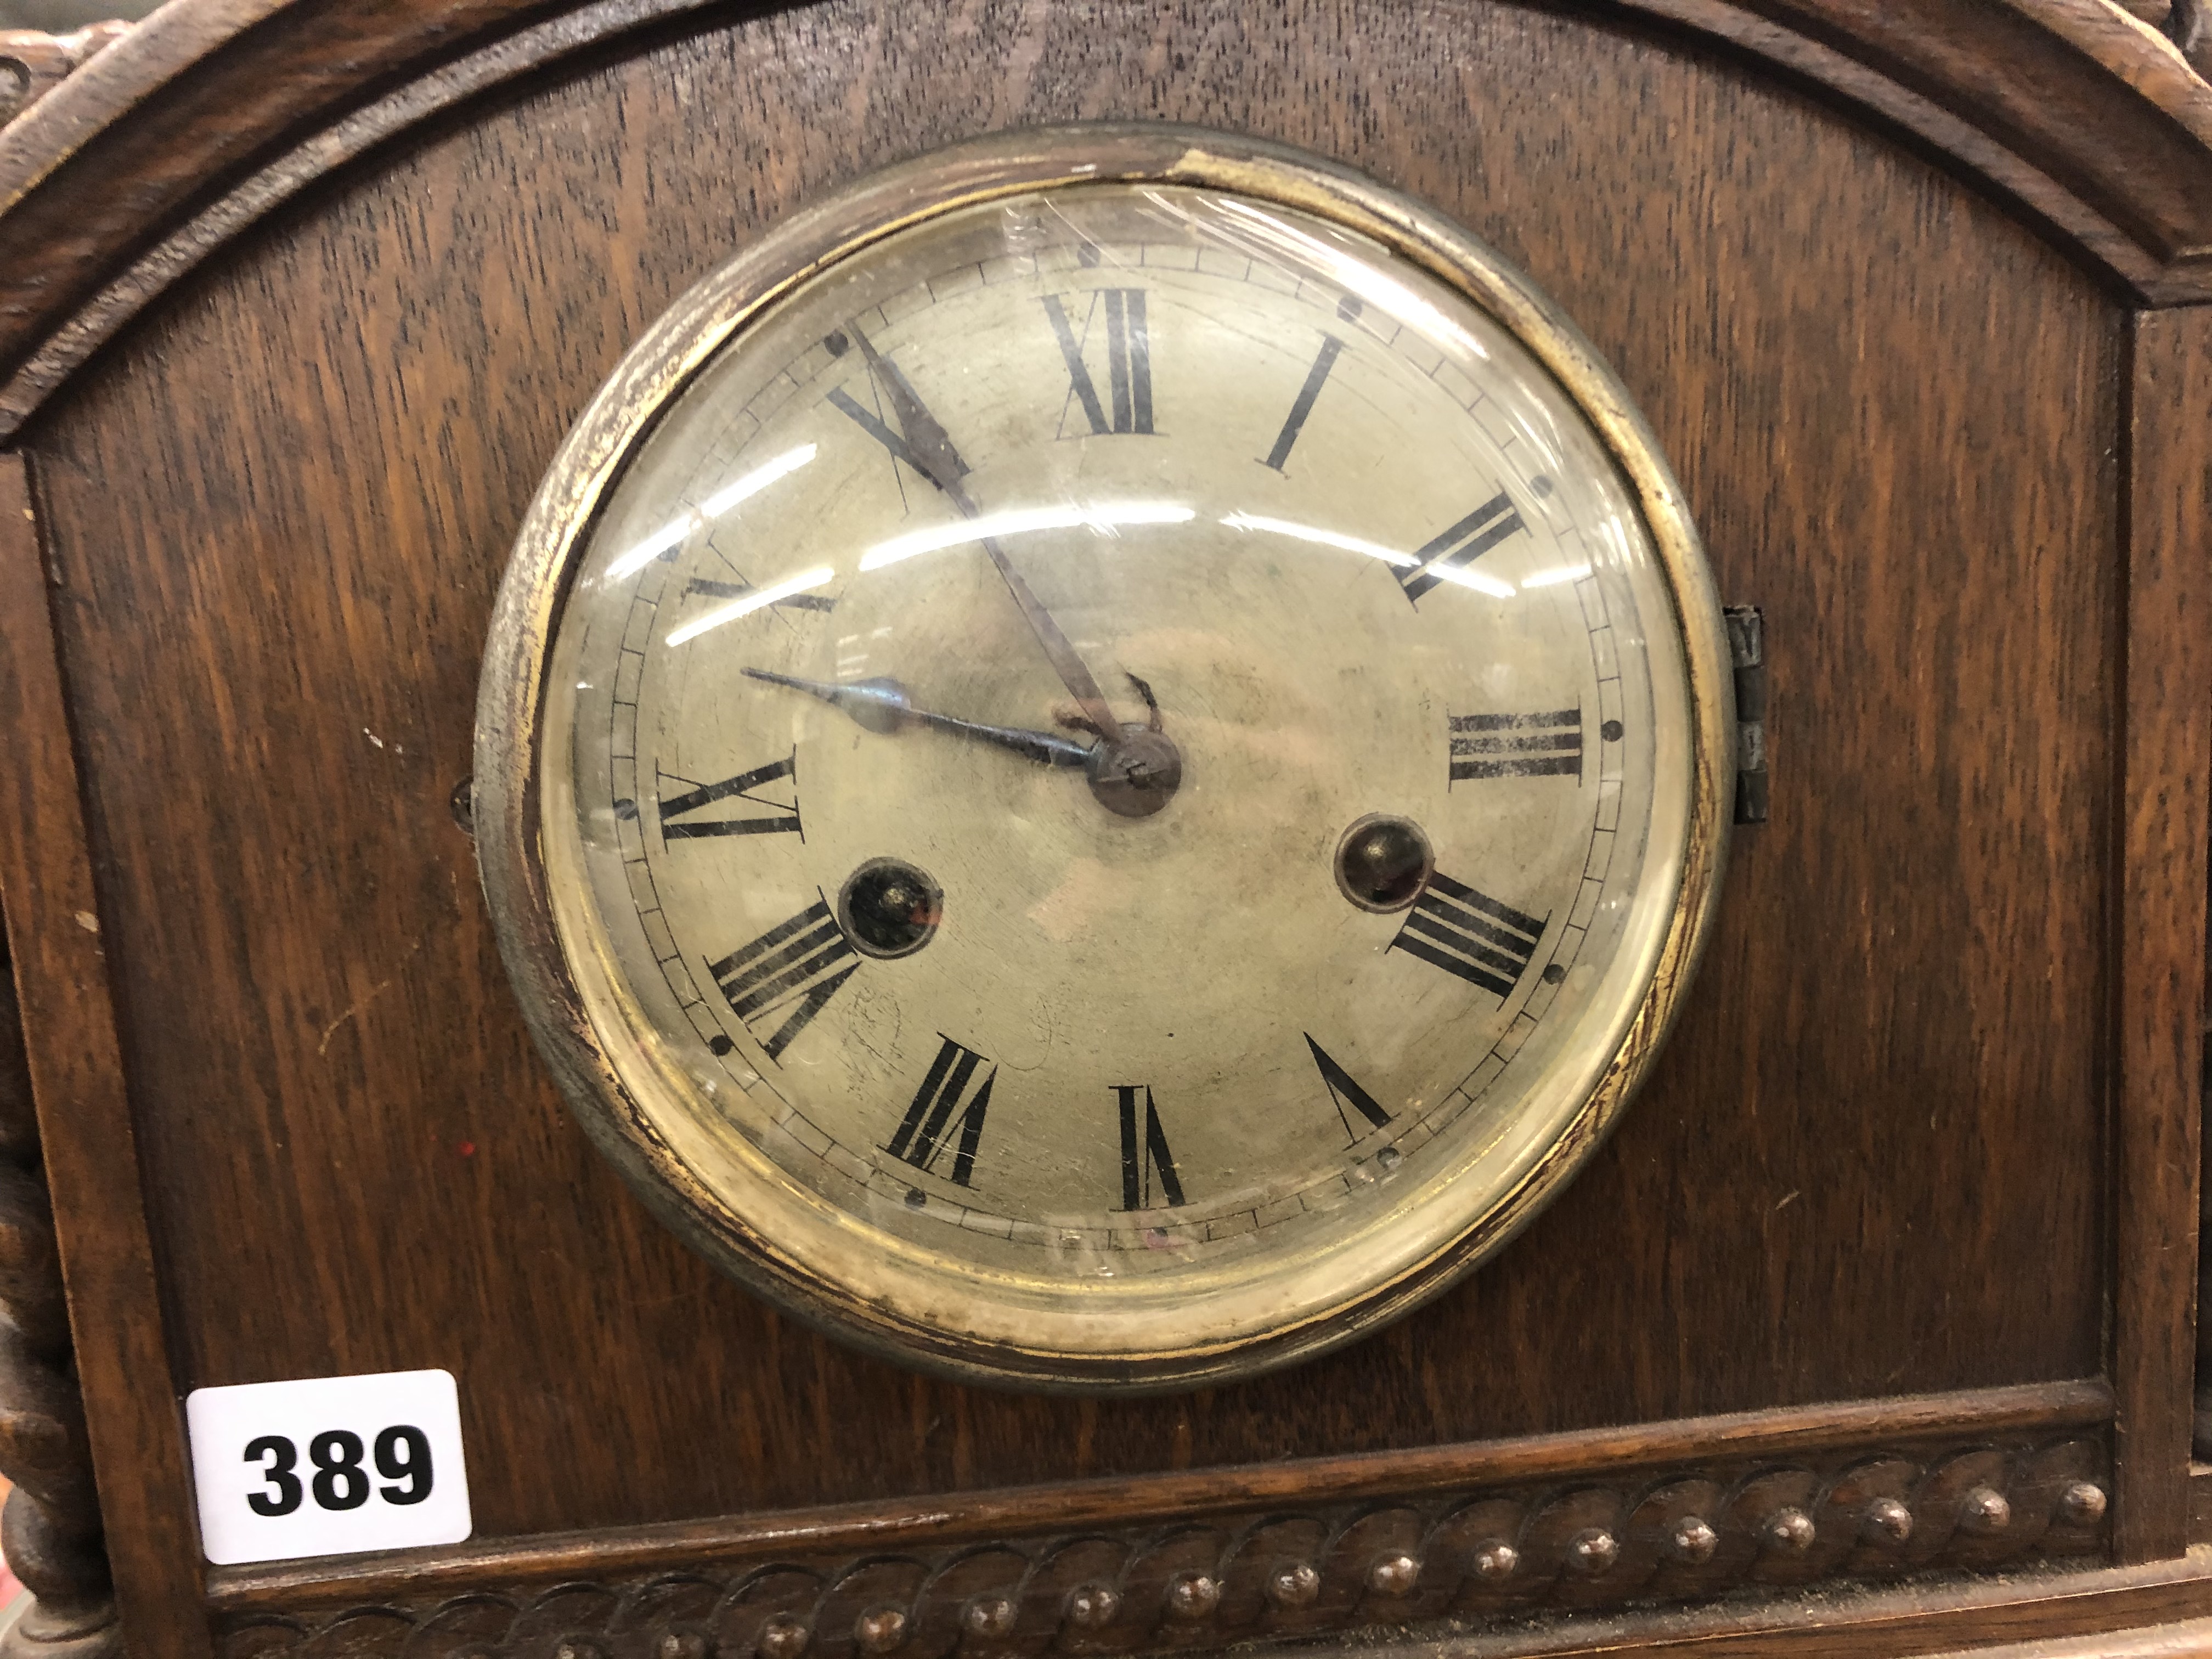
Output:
[[2133, 1608], [2158, 996], [1583, 1541], [1880, 1157], [1841, 1433], [278, 682], [355, 1163], [2108, 137], [60, 970]]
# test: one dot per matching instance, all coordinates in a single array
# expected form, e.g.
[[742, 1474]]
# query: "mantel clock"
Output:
[[842, 830]]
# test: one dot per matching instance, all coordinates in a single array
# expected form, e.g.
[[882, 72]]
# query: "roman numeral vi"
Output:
[[783, 978], [1471, 934]]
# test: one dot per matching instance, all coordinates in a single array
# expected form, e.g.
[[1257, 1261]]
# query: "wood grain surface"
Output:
[[2129, 1608], [2085, 116], [1841, 1436], [1875, 1157], [1592, 1539], [2159, 997], [62, 968]]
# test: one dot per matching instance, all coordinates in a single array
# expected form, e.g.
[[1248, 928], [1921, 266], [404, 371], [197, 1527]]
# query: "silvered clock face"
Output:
[[1117, 767]]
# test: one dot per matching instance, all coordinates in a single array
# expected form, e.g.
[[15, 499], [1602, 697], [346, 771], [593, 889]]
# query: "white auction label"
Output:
[[328, 1466]]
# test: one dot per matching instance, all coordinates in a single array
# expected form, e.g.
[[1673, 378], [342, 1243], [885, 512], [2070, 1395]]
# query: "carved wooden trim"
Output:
[[33, 64], [2033, 1412], [50, 1529], [87, 1147], [2088, 115], [1574, 1542], [2159, 997], [2113, 1608]]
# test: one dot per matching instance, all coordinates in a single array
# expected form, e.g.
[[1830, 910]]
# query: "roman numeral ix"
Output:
[[1129, 359], [1347, 1095], [783, 978], [1146, 1163], [1462, 545], [778, 817], [1548, 744], [927, 1127], [1471, 934]]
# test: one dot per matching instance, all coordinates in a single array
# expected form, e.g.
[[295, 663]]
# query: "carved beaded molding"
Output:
[[1565, 1545]]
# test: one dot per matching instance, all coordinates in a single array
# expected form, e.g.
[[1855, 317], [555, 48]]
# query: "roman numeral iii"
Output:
[[1547, 745], [782, 979], [1484, 941], [929, 1124], [1462, 545], [1129, 358], [1147, 1165], [777, 819]]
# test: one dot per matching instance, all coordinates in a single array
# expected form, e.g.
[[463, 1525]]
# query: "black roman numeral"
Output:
[[1146, 1159], [872, 423], [1462, 544], [1541, 745], [926, 1128], [1316, 377], [794, 962], [1485, 942], [779, 818], [714, 589], [1129, 359], [1346, 1093]]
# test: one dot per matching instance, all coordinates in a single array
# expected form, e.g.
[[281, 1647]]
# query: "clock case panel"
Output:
[[1877, 1158]]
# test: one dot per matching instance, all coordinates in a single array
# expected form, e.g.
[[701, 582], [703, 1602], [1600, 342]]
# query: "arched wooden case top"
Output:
[[1890, 1270]]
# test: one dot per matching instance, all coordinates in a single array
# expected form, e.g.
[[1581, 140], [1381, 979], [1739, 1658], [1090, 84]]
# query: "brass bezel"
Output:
[[511, 706]]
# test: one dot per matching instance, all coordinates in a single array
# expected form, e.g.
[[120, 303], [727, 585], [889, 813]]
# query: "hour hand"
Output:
[[882, 705]]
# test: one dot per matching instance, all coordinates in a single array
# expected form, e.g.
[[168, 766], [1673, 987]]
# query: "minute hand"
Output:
[[928, 441]]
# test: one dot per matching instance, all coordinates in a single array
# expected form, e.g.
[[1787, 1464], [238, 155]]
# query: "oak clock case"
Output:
[[1097, 760]]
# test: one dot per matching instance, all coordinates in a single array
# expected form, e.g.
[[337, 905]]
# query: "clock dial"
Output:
[[1117, 769]]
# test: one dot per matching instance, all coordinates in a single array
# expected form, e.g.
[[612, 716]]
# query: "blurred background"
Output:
[[60, 17]]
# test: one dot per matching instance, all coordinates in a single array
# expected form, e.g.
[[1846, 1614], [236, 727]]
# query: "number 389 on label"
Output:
[[328, 1466], [403, 1452]]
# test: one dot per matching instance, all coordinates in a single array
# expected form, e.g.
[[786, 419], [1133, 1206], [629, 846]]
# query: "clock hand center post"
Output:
[[1134, 772]]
